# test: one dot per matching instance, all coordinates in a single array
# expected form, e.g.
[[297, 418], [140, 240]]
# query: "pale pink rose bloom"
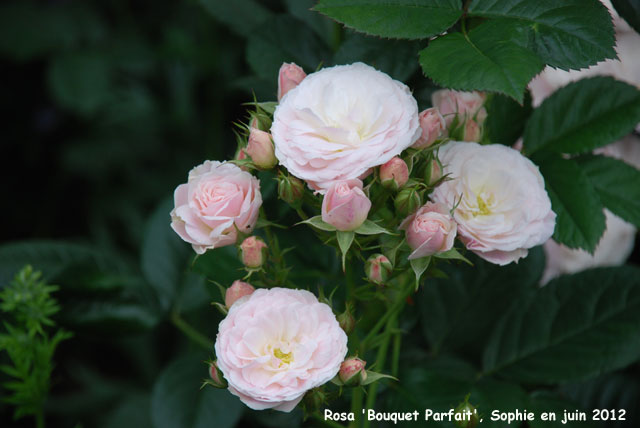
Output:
[[341, 121], [218, 200], [345, 206], [429, 230], [394, 173], [467, 105], [289, 76], [277, 344], [260, 148], [433, 126], [502, 206], [237, 290], [253, 252]]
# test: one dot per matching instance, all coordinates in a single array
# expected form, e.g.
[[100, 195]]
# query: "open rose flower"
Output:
[[345, 206], [429, 230], [218, 200], [502, 206], [277, 344], [341, 121]]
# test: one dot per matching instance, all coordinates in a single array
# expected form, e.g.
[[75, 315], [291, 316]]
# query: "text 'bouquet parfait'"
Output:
[[393, 194]]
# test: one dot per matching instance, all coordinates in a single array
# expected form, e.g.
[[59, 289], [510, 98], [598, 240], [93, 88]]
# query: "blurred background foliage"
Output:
[[107, 105]]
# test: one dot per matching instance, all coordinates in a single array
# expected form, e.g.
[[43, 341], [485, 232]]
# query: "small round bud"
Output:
[[378, 268], [466, 416], [254, 252], [352, 372], [407, 201], [290, 190], [217, 379], [394, 174], [237, 290], [433, 126], [260, 148], [472, 131], [241, 155], [289, 76], [347, 321], [432, 172], [314, 399], [345, 206]]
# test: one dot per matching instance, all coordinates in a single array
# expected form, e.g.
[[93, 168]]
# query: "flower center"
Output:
[[285, 358], [483, 206]]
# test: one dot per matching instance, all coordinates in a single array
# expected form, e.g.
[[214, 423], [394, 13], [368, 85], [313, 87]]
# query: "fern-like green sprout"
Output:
[[30, 341]]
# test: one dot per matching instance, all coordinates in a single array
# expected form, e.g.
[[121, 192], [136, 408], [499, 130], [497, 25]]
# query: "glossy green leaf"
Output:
[[582, 116], [567, 34], [371, 228], [617, 184], [576, 327], [178, 402], [490, 58], [580, 220], [401, 19], [318, 223]]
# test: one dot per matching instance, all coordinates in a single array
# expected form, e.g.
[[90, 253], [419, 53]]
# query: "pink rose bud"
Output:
[[347, 321], [241, 155], [433, 126], [407, 201], [394, 174], [352, 372], [345, 206], [433, 172], [217, 379], [289, 76], [464, 104], [260, 148], [472, 131], [290, 189], [237, 290], [253, 252], [429, 230], [378, 268]]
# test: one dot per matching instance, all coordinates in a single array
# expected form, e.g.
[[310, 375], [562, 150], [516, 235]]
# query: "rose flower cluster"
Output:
[[357, 160]]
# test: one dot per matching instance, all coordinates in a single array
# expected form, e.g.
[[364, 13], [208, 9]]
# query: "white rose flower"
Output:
[[503, 208], [341, 121]]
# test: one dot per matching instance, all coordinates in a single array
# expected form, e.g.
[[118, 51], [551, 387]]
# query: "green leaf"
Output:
[[419, 266], [506, 118], [318, 223], [243, 17], [178, 402], [371, 228], [617, 184], [164, 255], [580, 220], [452, 254], [402, 19], [461, 310], [630, 11], [374, 377], [565, 34], [81, 81], [389, 56], [490, 58], [582, 116], [345, 239], [576, 327]]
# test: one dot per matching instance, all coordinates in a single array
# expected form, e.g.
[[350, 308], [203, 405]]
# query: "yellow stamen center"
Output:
[[483, 208], [285, 358]]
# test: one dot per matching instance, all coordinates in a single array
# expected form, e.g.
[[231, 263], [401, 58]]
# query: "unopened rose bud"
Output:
[[237, 290], [241, 155], [430, 230], [433, 125], [217, 379], [407, 201], [347, 321], [345, 206], [394, 174], [289, 76], [466, 415], [378, 268], [433, 172], [472, 131], [253, 252], [260, 121], [464, 105], [352, 372], [315, 399], [260, 148], [290, 190]]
